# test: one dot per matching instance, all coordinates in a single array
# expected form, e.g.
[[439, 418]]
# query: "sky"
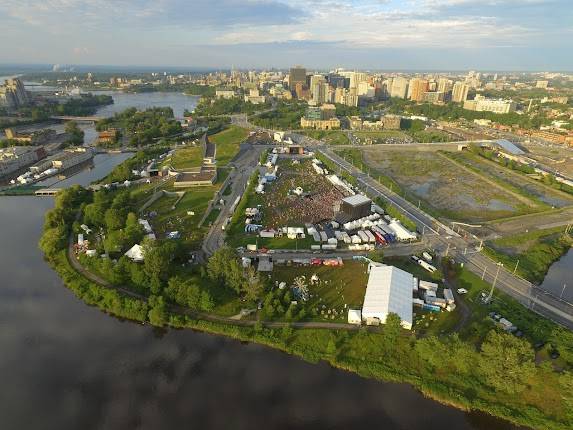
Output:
[[320, 34]]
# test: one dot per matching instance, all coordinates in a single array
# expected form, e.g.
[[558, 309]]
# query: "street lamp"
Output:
[[490, 295]]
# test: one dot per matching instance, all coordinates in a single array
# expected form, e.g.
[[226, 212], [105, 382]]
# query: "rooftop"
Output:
[[357, 199], [389, 290], [507, 146]]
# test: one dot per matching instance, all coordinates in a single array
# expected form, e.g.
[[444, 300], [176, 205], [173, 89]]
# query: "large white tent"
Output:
[[389, 290]]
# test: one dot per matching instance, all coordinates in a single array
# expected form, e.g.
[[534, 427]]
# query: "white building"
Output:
[[483, 104], [389, 290]]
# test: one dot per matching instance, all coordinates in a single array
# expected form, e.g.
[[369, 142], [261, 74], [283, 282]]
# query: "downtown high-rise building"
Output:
[[419, 87], [297, 77], [460, 92], [399, 87]]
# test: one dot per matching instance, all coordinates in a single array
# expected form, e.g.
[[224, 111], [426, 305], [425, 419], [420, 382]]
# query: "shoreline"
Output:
[[259, 334]]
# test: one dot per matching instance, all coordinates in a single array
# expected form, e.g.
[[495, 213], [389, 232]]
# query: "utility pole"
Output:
[[516, 264], [488, 299], [562, 291]]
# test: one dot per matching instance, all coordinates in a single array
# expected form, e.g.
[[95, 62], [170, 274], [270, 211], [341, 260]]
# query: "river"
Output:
[[66, 365]]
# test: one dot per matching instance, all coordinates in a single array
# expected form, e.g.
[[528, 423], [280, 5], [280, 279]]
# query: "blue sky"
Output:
[[368, 34]]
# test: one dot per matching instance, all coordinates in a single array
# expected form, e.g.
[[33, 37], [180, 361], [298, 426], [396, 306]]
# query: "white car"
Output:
[[462, 291]]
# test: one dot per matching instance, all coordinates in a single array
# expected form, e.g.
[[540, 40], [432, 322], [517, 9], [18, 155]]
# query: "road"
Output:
[[243, 165], [401, 249], [462, 248]]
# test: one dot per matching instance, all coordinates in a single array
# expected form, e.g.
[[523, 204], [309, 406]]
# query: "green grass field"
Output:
[[186, 158], [332, 137], [536, 251], [228, 142], [336, 287]]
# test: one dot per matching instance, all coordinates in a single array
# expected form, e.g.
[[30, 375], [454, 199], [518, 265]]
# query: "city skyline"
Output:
[[416, 35]]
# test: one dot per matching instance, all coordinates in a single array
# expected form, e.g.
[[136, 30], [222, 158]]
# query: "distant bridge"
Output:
[[77, 118], [47, 192]]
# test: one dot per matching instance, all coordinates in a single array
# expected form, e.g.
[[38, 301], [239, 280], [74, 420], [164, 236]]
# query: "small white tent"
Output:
[[135, 253]]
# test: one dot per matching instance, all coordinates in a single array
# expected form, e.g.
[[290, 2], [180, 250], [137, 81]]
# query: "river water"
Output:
[[66, 365]]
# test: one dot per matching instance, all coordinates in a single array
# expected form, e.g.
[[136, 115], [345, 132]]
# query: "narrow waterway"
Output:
[[66, 365], [559, 278]]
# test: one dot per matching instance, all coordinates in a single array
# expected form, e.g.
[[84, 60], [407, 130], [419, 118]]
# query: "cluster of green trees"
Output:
[[279, 303], [75, 134], [285, 116], [84, 105], [225, 268], [190, 89], [210, 106], [143, 127]]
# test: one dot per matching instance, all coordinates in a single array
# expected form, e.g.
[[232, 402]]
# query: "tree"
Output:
[[133, 231], [75, 134], [253, 286], [157, 313], [391, 333], [53, 240], [94, 215], [113, 219], [183, 292], [206, 303], [113, 241], [157, 260], [506, 362]]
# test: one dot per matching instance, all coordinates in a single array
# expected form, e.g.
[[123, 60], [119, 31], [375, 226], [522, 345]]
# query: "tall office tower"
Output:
[[356, 78], [399, 87], [419, 87], [13, 94], [316, 88], [444, 85], [297, 75], [460, 92]]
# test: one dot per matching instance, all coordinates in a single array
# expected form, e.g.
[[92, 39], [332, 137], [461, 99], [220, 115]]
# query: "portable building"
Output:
[[354, 316], [425, 285], [449, 296]]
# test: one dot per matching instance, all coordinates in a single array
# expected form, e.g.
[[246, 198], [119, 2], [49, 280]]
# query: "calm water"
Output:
[[177, 101], [558, 280], [65, 365]]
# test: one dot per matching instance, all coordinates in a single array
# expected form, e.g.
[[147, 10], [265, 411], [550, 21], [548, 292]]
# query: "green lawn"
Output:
[[228, 142], [187, 158], [333, 137], [336, 287], [536, 251]]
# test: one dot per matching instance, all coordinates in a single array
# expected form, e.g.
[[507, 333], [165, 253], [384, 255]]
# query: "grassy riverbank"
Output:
[[480, 368], [532, 254], [362, 352]]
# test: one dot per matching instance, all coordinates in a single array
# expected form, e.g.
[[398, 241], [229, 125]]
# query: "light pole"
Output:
[[516, 264], [490, 295], [562, 291]]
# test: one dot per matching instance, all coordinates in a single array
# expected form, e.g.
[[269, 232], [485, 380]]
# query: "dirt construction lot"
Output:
[[446, 188]]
